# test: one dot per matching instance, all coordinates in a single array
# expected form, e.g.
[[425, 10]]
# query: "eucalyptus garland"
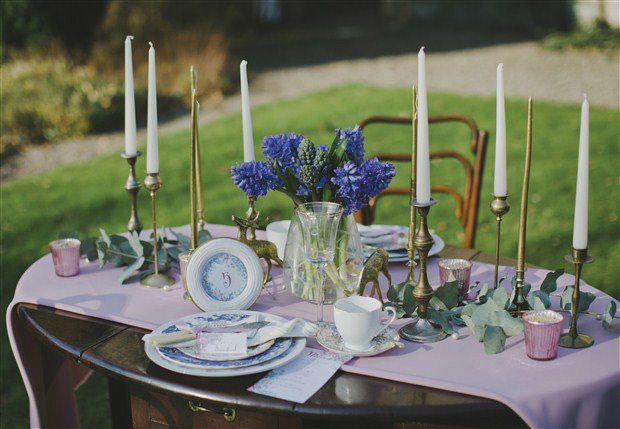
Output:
[[489, 316]]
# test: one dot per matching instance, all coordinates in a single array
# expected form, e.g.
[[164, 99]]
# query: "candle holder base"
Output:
[[581, 341], [157, 280], [422, 331]]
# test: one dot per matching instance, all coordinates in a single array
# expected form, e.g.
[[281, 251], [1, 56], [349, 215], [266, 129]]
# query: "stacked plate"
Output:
[[183, 357], [392, 238]]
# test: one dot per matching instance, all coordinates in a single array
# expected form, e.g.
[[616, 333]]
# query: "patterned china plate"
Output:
[[329, 338], [223, 318], [224, 274]]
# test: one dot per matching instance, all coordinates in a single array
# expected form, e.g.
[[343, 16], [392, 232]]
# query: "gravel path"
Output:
[[529, 71]]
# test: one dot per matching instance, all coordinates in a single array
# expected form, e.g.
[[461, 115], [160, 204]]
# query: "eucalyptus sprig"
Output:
[[136, 254]]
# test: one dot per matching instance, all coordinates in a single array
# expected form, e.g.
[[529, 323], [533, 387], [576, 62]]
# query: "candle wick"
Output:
[[130, 37], [585, 97], [151, 43], [422, 49]]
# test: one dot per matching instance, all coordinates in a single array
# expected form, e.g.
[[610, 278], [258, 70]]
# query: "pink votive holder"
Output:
[[457, 269], [66, 256], [542, 330]]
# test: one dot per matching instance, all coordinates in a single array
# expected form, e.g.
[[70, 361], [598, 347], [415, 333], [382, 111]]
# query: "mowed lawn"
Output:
[[89, 196]]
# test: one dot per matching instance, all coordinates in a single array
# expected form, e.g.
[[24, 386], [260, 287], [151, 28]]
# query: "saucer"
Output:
[[329, 337]]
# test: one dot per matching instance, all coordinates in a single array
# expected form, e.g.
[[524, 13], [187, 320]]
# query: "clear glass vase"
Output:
[[342, 274]]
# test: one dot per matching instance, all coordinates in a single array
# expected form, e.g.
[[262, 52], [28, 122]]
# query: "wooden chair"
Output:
[[466, 204]]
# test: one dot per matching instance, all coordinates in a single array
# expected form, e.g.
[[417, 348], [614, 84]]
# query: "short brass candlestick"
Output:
[[132, 186], [571, 339], [423, 330], [499, 207], [157, 279]]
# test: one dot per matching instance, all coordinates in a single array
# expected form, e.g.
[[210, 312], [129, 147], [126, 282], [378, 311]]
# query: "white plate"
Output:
[[224, 274], [329, 338], [297, 346]]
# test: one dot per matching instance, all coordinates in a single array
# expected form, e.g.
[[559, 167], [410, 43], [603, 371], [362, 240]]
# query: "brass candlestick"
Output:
[[519, 301], [132, 186], [193, 195], [572, 339], [157, 279], [423, 330], [499, 207], [412, 209]]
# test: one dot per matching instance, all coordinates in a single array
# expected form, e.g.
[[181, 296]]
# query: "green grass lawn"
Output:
[[89, 196]]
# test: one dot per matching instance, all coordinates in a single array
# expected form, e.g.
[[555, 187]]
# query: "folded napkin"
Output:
[[292, 328]]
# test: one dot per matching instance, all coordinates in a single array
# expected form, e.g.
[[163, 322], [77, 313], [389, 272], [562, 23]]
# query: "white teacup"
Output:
[[358, 320], [277, 233]]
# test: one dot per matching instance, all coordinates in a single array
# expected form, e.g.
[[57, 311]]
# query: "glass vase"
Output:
[[342, 274]]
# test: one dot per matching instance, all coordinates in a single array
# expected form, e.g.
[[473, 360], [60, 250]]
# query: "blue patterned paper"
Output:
[[224, 277]]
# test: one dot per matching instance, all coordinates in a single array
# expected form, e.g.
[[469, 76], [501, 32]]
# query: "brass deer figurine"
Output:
[[377, 262], [263, 248]]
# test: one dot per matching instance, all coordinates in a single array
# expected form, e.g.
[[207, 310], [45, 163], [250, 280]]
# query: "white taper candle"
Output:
[[130, 105], [248, 139], [423, 176], [499, 184], [152, 154], [580, 227]]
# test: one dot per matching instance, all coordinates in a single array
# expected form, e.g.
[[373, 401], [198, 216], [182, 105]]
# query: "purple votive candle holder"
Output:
[[460, 270], [542, 330], [66, 256]]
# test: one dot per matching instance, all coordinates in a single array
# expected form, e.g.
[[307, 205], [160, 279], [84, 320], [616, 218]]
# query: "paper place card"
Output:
[[222, 343], [298, 380]]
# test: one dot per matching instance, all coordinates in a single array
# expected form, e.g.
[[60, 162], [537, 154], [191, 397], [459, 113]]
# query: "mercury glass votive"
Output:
[[66, 256], [542, 330], [459, 270]]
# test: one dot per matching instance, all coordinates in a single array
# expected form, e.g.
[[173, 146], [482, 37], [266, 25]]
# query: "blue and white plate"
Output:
[[174, 362], [392, 238]]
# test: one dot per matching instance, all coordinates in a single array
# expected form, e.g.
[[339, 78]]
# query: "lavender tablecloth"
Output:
[[581, 388]]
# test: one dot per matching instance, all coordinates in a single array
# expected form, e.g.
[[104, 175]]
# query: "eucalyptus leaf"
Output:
[[448, 294], [482, 313], [204, 236], [510, 325], [468, 309], [392, 294], [131, 269], [439, 318], [174, 253], [437, 304], [134, 242], [608, 314], [409, 302], [183, 239], [88, 248], [130, 255], [539, 300], [585, 299], [482, 293], [114, 256], [102, 251], [476, 330], [550, 283], [500, 296], [494, 339], [105, 236]]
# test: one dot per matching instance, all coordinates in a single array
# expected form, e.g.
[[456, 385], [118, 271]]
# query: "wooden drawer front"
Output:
[[157, 410]]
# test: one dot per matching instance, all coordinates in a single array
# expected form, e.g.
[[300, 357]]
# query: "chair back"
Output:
[[467, 204]]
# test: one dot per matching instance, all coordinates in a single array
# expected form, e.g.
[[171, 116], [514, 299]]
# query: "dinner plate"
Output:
[[329, 337], [393, 238], [223, 318]]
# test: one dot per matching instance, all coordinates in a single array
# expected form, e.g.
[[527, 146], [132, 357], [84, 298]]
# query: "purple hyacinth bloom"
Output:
[[282, 149], [254, 178], [355, 143]]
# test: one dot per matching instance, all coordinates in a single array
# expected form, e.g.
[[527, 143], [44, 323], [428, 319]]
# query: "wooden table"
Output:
[[146, 395]]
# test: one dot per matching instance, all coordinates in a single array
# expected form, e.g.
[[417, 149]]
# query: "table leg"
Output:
[[120, 404]]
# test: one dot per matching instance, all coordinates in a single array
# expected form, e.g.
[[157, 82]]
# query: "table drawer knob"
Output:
[[229, 413]]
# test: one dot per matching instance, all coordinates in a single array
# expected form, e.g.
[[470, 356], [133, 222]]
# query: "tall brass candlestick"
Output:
[[199, 202], [423, 330], [572, 339], [519, 300], [412, 209], [499, 207], [132, 186], [157, 279]]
